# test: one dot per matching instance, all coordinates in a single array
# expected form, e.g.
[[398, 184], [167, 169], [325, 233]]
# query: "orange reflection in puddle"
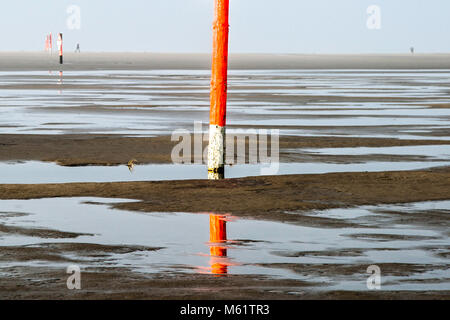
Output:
[[218, 246]]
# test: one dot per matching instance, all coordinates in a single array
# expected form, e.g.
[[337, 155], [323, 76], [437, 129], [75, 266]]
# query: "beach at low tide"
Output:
[[363, 177]]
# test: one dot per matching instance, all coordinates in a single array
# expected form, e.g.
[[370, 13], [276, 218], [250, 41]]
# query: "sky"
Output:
[[256, 26]]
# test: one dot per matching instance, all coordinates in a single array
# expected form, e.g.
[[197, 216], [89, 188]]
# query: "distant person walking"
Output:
[[78, 48], [412, 50]]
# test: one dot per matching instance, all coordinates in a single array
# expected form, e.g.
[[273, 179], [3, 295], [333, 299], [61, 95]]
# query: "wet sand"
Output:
[[250, 198], [106, 150], [120, 284]]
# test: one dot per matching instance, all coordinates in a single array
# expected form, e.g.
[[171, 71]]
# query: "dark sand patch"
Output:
[[80, 150], [6, 215], [384, 237], [119, 283], [326, 269], [300, 157], [57, 252], [93, 249], [347, 252], [40, 232]]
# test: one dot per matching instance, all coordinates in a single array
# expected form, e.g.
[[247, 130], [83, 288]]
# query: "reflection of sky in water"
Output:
[[184, 238], [170, 91], [41, 172]]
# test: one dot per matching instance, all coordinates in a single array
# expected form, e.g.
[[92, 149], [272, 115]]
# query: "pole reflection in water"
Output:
[[60, 81], [218, 237]]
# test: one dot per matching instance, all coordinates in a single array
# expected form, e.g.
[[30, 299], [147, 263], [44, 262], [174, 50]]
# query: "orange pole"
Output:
[[217, 235], [219, 77]]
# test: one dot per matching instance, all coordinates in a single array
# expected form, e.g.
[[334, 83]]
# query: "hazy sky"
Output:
[[279, 26]]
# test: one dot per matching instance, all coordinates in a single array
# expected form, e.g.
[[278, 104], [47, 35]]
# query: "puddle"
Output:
[[35, 172], [223, 244]]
